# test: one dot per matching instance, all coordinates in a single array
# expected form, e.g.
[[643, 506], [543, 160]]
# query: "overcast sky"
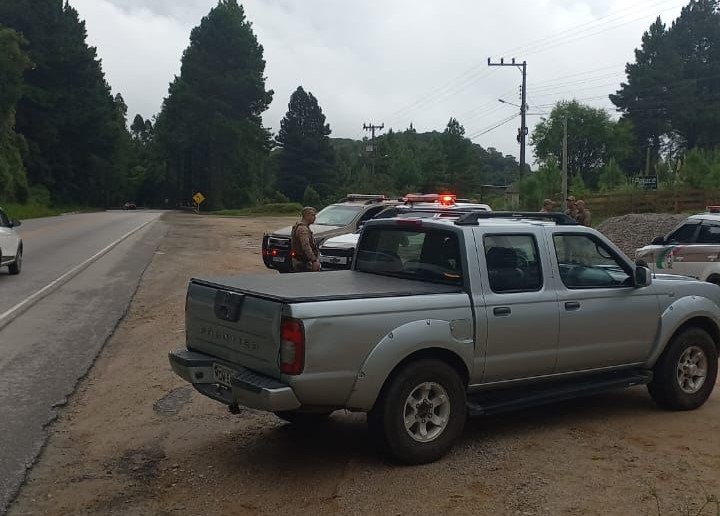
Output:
[[392, 62]]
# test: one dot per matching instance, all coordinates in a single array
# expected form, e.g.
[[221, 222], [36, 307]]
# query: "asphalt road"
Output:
[[79, 274]]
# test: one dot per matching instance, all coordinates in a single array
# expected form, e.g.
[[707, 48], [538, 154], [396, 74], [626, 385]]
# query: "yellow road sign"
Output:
[[199, 198]]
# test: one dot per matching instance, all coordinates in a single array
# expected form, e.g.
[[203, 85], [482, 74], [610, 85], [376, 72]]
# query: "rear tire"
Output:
[[16, 266], [420, 413], [685, 373]]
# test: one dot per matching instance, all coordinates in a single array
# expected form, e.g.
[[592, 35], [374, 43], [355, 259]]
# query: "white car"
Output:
[[337, 252], [11, 246], [691, 249]]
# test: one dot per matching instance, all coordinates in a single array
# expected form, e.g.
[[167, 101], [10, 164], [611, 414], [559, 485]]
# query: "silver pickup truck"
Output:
[[443, 319]]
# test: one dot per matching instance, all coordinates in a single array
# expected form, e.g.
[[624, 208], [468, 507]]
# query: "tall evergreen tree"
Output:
[[210, 128], [307, 158], [13, 62], [671, 90], [67, 113], [645, 98]]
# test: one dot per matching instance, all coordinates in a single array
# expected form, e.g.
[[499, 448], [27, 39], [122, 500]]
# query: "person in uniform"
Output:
[[583, 214], [305, 254], [547, 206], [571, 207]]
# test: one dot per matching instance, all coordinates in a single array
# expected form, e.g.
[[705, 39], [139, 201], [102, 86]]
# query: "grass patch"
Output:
[[267, 210], [34, 211]]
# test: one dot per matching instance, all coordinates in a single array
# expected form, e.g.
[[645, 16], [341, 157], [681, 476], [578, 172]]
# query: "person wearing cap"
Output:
[[571, 207], [548, 206], [583, 214], [305, 254]]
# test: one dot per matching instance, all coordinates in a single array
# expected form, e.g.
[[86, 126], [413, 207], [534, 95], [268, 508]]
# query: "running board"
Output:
[[506, 400]]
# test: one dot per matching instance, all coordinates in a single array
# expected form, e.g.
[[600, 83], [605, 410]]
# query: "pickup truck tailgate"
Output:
[[233, 326]]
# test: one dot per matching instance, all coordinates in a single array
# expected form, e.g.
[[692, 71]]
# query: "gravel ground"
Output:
[[629, 232]]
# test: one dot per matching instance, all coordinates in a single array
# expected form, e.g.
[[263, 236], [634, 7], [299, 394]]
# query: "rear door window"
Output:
[[709, 233], [513, 263]]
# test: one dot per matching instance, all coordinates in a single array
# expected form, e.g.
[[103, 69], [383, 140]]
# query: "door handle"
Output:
[[572, 305], [501, 311]]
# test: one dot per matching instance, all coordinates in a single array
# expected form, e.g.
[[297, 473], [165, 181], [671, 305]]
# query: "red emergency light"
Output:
[[444, 199], [713, 209]]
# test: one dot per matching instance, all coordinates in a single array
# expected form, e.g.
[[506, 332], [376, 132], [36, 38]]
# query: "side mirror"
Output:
[[15, 223], [658, 240], [643, 277]]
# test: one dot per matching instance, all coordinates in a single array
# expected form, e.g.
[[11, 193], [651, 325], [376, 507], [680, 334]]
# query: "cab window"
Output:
[[4, 220], [685, 234], [426, 255], [586, 262]]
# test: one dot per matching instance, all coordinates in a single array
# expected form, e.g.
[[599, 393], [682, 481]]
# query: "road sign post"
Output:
[[199, 198]]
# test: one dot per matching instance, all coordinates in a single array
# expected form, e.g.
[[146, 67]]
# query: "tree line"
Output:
[[66, 139], [669, 123]]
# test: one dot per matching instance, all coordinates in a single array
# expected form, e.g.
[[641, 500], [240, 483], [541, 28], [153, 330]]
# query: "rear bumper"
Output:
[[247, 388]]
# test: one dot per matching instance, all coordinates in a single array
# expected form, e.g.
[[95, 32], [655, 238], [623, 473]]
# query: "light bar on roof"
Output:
[[365, 197]]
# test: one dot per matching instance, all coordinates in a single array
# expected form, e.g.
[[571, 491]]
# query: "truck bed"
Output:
[[325, 286]]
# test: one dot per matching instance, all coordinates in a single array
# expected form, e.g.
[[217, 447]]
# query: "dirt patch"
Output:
[[135, 440]]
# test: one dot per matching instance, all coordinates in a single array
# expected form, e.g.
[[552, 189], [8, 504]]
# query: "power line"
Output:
[[471, 75], [493, 127]]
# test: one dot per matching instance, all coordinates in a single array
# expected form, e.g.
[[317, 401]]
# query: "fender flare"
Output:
[[676, 315], [402, 342]]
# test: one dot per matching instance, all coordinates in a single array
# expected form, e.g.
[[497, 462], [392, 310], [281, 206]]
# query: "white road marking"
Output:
[[12, 313]]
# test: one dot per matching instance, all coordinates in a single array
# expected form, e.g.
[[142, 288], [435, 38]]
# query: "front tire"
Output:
[[16, 266], [685, 374], [420, 413]]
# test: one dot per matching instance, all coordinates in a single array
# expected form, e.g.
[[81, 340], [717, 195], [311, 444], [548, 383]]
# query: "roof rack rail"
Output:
[[471, 219]]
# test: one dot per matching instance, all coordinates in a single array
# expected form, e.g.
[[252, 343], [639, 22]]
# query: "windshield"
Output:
[[337, 215], [425, 255]]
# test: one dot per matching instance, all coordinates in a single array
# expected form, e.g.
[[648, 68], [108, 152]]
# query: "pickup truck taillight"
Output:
[[292, 346]]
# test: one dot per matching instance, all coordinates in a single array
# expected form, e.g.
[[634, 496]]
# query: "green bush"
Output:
[[311, 197]]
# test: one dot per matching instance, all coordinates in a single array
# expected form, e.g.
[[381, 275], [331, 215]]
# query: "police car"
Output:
[[11, 246], [337, 252], [340, 218], [690, 249]]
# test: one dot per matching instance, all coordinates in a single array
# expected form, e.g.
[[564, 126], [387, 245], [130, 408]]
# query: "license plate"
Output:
[[222, 374], [279, 259], [336, 260]]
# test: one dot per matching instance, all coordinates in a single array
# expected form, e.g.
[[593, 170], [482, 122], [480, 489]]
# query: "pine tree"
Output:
[[307, 158], [210, 128], [13, 62], [67, 114]]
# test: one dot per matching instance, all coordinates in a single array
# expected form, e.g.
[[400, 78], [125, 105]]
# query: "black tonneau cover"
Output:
[[325, 286]]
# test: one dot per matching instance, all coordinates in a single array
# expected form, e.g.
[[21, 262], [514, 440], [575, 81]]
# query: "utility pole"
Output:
[[523, 131], [373, 149], [565, 166]]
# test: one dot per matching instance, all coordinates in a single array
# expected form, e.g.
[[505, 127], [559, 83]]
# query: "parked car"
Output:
[[337, 253], [345, 216], [690, 249], [11, 245], [442, 318]]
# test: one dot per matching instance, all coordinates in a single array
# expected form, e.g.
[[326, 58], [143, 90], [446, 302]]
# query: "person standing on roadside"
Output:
[[305, 254], [548, 206], [583, 214], [571, 207]]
